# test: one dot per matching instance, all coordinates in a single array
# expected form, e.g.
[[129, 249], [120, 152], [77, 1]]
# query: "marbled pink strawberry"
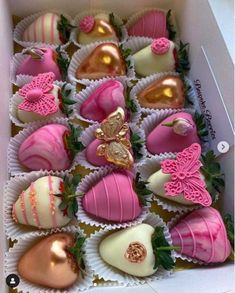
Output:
[[202, 235], [45, 149], [152, 24], [105, 100], [113, 198], [164, 139], [46, 63]]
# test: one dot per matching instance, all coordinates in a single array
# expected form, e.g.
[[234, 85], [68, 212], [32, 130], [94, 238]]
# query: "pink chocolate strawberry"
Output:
[[202, 235], [114, 197], [43, 60]]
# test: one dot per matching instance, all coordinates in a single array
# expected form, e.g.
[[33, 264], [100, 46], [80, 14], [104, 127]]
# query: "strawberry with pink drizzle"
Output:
[[103, 101], [202, 235], [49, 202], [152, 24], [114, 198], [50, 147], [42, 60], [175, 133]]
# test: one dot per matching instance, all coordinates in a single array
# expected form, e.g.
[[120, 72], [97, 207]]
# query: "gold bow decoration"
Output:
[[115, 147]]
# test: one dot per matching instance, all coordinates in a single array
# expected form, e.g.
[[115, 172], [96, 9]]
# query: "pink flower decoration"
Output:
[[36, 95], [185, 176], [182, 126], [87, 24], [160, 46]]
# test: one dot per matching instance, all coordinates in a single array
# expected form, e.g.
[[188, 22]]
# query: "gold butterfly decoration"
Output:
[[115, 147]]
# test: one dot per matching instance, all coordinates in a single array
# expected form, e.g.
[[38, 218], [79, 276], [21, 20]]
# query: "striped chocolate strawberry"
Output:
[[202, 235], [116, 197], [49, 28], [49, 202]]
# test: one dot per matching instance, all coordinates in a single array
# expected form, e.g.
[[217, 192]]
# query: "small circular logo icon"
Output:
[[223, 147], [12, 280]]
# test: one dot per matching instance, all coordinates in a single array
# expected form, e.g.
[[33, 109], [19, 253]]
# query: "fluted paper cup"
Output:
[[84, 52], [14, 254], [17, 59], [82, 96], [25, 23], [90, 181], [80, 16], [17, 99], [109, 273]]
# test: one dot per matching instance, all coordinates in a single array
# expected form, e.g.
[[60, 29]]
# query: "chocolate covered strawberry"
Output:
[[54, 261], [202, 235], [50, 147], [43, 60], [138, 250], [189, 179], [176, 132], [116, 197], [49, 202], [162, 55], [49, 28]]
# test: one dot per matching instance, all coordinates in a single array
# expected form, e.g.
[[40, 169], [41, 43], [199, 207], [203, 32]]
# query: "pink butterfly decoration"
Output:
[[37, 97], [185, 176]]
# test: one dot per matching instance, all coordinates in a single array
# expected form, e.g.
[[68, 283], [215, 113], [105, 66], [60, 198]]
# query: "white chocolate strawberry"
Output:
[[48, 28], [134, 250], [45, 203]]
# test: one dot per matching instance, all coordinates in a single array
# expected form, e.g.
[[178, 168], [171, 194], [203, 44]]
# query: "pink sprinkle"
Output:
[[87, 24], [160, 46]]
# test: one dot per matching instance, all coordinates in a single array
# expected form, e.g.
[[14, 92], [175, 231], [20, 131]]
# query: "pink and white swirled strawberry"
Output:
[[49, 202], [202, 235], [50, 147]]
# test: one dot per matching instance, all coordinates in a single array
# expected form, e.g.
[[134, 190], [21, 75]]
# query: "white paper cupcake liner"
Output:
[[151, 165], [145, 82], [17, 59], [81, 54], [91, 180], [12, 190], [82, 96], [13, 256], [88, 136], [14, 166], [170, 225], [17, 99], [154, 119], [135, 17], [24, 24], [80, 16], [109, 273]]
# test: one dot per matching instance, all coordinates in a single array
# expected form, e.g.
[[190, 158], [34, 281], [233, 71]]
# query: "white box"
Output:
[[200, 25]]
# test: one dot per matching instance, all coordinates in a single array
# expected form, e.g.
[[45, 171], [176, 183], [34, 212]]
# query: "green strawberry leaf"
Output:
[[187, 89], [211, 170], [137, 144], [126, 52], [62, 62], [77, 252], [65, 28], [73, 143], [117, 27], [182, 62], [68, 187], [229, 224], [162, 250], [141, 189], [66, 102], [170, 27], [130, 104], [201, 126]]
